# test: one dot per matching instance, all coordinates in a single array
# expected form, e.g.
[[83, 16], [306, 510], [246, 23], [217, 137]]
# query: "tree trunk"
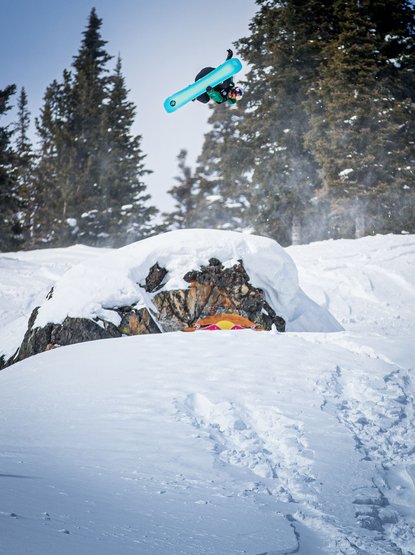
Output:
[[296, 231]]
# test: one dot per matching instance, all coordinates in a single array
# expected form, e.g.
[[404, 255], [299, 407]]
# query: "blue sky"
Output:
[[162, 45]]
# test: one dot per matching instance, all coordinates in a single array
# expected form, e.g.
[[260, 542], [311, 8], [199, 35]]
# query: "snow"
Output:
[[351, 120], [72, 222], [395, 62], [344, 174], [217, 442], [90, 289], [26, 278]]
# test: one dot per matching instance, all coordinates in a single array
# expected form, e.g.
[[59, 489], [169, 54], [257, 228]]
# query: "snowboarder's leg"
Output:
[[204, 98], [203, 72], [228, 83]]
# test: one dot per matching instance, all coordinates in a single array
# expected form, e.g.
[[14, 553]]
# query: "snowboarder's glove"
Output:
[[208, 89], [230, 54]]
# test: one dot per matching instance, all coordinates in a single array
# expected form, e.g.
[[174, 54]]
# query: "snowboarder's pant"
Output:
[[203, 97]]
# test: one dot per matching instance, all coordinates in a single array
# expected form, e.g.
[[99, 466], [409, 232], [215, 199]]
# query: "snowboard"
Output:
[[218, 75]]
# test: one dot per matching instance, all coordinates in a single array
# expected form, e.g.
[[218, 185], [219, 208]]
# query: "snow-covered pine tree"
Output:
[[71, 129], [10, 227], [89, 92], [394, 208], [24, 165], [124, 214], [362, 114], [284, 53], [88, 181]]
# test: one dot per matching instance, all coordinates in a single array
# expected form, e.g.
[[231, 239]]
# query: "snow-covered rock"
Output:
[[196, 273], [116, 278]]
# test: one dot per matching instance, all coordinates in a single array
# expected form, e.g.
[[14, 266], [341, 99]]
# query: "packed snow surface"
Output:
[[217, 442]]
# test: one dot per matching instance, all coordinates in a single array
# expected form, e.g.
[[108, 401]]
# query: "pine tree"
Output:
[[24, 164], [89, 92], [89, 177], [362, 115], [124, 214], [284, 51], [44, 175], [56, 195], [10, 228], [393, 209], [221, 193], [71, 129], [184, 215]]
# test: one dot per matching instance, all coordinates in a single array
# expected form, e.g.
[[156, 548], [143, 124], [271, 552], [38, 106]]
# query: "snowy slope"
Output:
[[365, 284], [224, 442]]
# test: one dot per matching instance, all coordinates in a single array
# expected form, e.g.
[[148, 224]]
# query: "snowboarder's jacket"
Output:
[[219, 93]]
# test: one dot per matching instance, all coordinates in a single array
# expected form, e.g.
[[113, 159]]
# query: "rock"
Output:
[[71, 331], [154, 280], [371, 523], [213, 289], [137, 322], [35, 340], [370, 496]]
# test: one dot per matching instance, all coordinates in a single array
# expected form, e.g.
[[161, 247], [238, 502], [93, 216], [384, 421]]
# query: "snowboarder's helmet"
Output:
[[238, 92]]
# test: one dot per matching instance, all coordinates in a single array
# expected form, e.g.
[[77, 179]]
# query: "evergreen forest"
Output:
[[322, 144]]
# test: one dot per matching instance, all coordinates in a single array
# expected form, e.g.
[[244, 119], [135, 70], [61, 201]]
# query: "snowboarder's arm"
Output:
[[215, 95]]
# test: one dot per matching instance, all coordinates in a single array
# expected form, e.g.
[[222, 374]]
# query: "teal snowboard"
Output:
[[218, 75]]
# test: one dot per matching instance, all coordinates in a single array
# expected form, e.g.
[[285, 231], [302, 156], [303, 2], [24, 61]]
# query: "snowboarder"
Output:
[[210, 82], [224, 92]]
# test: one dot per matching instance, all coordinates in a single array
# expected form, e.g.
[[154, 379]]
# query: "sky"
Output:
[[162, 46]]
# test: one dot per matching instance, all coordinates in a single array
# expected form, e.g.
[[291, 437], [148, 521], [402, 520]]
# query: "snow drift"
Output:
[[87, 290]]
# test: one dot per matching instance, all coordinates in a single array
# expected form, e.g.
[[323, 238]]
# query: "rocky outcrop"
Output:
[[71, 331], [213, 289]]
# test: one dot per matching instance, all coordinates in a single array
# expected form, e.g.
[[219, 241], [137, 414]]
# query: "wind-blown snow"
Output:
[[222, 442]]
